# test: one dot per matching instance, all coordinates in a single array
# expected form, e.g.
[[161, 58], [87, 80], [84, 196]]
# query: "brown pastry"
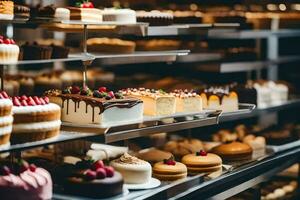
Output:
[[169, 170], [153, 155], [110, 45], [181, 148], [233, 151]]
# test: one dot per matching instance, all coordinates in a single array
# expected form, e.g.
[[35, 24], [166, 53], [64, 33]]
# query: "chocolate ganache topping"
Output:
[[217, 91]]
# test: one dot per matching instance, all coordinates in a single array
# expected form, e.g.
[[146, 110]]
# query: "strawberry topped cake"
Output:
[[24, 181], [6, 119], [9, 51], [34, 119], [85, 11]]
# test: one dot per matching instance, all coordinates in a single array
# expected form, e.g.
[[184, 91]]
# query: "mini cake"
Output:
[[9, 51], [133, 170], [85, 12], [94, 180], [202, 162], [35, 119], [233, 151], [6, 10], [155, 18], [108, 45], [126, 16], [181, 148], [82, 106], [6, 119], [153, 155], [156, 102], [157, 45], [220, 99], [187, 101], [54, 13], [169, 170], [35, 52], [21, 12], [25, 181]]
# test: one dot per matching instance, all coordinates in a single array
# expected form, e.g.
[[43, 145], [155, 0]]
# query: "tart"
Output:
[[202, 162], [233, 151], [9, 51], [169, 170], [133, 170], [108, 45]]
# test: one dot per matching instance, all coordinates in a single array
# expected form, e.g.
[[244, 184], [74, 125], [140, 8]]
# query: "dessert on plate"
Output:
[[133, 170], [110, 45], [6, 9], [182, 147], [155, 18], [94, 180], [233, 151], [153, 155], [126, 16], [9, 51], [25, 181], [85, 12], [156, 102], [169, 170], [82, 106], [220, 99], [187, 101], [6, 119], [202, 162], [35, 119]]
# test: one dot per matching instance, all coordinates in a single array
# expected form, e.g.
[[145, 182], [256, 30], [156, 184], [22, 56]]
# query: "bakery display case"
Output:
[[149, 100]]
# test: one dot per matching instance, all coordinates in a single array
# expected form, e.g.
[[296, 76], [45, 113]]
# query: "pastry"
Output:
[[6, 120], [181, 148], [82, 106], [224, 136], [156, 102], [202, 162], [52, 12], [104, 151], [256, 143], [35, 52], [187, 101], [220, 99], [155, 18], [233, 151], [21, 12], [9, 51], [6, 10], [133, 170], [86, 12], [169, 170], [25, 181], [108, 45], [153, 155], [125, 16], [93, 180], [157, 45], [35, 119]]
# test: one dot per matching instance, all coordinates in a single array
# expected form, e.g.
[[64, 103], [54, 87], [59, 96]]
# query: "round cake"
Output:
[[9, 51], [153, 155], [35, 119], [133, 170], [169, 170], [96, 181], [202, 162], [6, 119], [233, 151], [25, 182]]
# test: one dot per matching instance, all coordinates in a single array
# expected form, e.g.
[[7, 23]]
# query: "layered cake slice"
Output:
[[54, 13], [82, 106], [85, 11], [156, 102], [35, 119], [6, 119], [187, 101], [220, 99], [127, 16], [6, 9]]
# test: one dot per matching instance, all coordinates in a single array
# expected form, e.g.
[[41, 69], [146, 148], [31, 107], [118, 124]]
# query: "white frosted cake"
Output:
[[99, 107], [9, 51], [126, 16], [263, 95], [6, 119], [187, 101], [62, 14], [279, 92], [156, 102]]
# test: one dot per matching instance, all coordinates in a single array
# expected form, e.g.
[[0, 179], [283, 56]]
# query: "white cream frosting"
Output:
[[9, 53], [5, 130], [5, 102], [62, 14], [119, 15], [6, 120], [37, 109], [6, 16], [36, 127]]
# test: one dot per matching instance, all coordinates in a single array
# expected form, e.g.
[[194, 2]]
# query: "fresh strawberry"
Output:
[[24, 97], [101, 173], [90, 175], [98, 164], [37, 100], [16, 102], [201, 153], [6, 41], [109, 171], [4, 94], [24, 103], [42, 101], [32, 167], [46, 99], [1, 41], [102, 89]]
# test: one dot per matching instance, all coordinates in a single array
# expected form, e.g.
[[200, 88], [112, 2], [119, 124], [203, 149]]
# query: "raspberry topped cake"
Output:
[[187, 101], [34, 119], [102, 107], [156, 102], [6, 119], [94, 180], [9, 51], [24, 181]]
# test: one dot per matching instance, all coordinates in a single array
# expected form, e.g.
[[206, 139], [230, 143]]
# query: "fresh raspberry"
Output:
[[90, 175], [109, 171], [75, 90], [32, 167], [101, 173], [98, 164], [102, 89]]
